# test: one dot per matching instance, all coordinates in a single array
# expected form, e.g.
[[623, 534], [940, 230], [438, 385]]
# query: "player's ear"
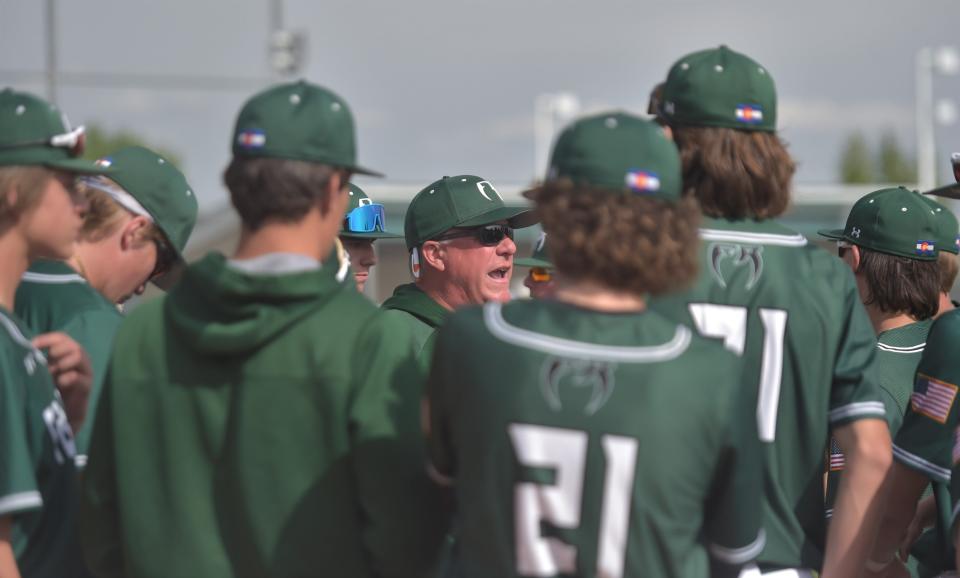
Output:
[[134, 233], [432, 253], [855, 256]]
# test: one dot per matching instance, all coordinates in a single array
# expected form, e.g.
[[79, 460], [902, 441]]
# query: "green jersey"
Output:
[[38, 479], [388, 435], [587, 443], [898, 354], [222, 445], [53, 297], [793, 312]]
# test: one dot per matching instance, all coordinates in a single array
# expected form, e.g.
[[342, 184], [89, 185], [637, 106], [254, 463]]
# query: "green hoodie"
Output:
[[389, 437], [222, 445]]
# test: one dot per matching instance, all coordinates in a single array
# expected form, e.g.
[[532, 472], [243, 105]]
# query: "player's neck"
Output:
[[946, 305], [14, 256], [312, 236], [592, 295], [885, 321]]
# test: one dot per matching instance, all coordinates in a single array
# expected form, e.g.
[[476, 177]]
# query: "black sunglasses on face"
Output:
[[165, 258], [488, 236]]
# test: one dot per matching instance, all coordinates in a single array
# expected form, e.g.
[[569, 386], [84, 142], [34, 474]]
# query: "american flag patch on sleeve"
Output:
[[837, 461], [933, 398]]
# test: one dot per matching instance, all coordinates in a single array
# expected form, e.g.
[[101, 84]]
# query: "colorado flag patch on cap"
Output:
[[642, 181], [749, 113], [104, 162], [251, 139], [925, 248]]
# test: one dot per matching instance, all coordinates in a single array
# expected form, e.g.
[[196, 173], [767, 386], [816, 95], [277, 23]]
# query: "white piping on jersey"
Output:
[[829, 513], [80, 460], [499, 328], [909, 349], [918, 463], [52, 278], [20, 501], [742, 554], [14, 332], [859, 408], [797, 240], [437, 477], [953, 517]]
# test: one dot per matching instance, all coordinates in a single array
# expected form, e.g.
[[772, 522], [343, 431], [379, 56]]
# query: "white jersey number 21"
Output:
[[729, 322], [565, 452]]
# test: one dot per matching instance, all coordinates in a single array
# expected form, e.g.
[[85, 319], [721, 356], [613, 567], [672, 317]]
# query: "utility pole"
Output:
[[51, 25]]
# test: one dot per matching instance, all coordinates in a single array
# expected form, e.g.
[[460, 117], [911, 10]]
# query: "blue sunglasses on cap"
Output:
[[365, 219]]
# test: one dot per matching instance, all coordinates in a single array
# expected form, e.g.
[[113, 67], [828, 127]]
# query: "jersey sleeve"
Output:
[[734, 510], [925, 440], [955, 482], [403, 514], [855, 392], [19, 491], [442, 460]]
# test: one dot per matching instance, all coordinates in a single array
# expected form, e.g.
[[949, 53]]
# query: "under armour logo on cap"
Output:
[[855, 232]]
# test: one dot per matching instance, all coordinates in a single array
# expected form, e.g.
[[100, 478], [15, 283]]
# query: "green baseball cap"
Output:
[[894, 221], [460, 201], [159, 189], [620, 152], [722, 88], [35, 132], [358, 220], [948, 229], [539, 258], [298, 121]]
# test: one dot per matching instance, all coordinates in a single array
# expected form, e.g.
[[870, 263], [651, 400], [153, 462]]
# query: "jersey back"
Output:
[[584, 443], [793, 313]]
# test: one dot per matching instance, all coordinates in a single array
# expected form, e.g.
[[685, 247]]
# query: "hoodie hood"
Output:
[[414, 301], [219, 310]]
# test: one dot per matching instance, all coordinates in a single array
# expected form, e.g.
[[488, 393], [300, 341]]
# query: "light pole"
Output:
[[550, 112], [946, 61], [51, 25]]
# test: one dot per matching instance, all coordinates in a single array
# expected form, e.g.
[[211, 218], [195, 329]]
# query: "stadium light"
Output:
[[551, 112]]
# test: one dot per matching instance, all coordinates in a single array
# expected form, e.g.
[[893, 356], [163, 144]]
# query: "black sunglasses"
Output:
[[166, 257], [488, 236]]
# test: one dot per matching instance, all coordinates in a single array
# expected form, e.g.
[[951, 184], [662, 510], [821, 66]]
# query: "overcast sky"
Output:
[[447, 86]]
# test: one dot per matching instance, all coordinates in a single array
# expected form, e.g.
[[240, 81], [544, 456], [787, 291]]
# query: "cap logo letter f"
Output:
[[483, 186]]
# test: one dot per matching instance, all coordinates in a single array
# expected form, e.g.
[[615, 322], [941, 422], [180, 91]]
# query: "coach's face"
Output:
[[476, 273]]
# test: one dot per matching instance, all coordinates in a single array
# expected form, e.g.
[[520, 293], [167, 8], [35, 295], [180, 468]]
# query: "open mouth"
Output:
[[499, 273]]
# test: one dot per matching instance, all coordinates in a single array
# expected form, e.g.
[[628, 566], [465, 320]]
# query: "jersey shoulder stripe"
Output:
[[51, 279], [909, 349], [437, 477], [20, 501], [862, 408], [797, 240], [15, 332], [913, 461], [739, 555], [504, 331]]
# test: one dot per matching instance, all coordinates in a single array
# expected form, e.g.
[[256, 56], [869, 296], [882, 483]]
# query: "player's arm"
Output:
[[860, 499], [402, 511], [906, 487], [100, 533], [733, 520], [8, 563]]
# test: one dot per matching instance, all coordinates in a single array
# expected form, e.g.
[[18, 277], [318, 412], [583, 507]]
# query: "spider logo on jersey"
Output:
[[562, 378], [751, 257]]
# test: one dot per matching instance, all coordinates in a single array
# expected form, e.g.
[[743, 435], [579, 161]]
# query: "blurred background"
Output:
[[868, 89]]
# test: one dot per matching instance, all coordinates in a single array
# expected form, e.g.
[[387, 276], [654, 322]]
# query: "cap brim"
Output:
[[531, 262], [362, 171], [831, 233], [947, 191], [171, 277], [79, 166], [516, 217], [370, 235]]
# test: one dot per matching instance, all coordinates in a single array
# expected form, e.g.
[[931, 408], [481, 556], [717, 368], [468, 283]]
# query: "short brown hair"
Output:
[[104, 216], [272, 189], [735, 174], [948, 270], [29, 183], [625, 242], [900, 284]]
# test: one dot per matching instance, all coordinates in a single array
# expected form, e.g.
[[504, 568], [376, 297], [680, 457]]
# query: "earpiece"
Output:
[[415, 263]]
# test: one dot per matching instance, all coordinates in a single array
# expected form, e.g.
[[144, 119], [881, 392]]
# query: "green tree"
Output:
[[101, 143], [856, 164], [895, 166]]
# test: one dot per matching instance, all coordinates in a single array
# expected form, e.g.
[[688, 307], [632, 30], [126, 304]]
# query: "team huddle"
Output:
[[693, 389]]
